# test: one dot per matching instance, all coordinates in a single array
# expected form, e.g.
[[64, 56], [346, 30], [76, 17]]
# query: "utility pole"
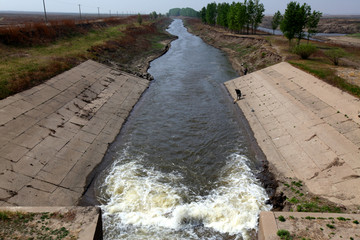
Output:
[[110, 12], [99, 11], [80, 10], [46, 20]]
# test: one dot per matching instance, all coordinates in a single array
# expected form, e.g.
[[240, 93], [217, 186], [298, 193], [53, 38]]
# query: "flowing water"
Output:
[[183, 167]]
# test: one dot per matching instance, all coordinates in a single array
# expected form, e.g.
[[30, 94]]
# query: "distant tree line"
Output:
[[185, 12], [295, 20], [238, 17]]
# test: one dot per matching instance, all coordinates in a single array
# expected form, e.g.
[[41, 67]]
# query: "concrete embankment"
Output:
[[309, 131], [53, 135]]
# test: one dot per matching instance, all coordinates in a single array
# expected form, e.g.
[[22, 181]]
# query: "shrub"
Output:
[[282, 218], [335, 54], [284, 234], [304, 50]]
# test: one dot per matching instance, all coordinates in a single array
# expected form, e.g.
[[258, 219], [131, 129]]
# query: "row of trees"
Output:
[[295, 20], [185, 12], [239, 17]]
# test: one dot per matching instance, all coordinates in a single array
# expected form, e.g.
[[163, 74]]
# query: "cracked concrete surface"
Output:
[[306, 128], [53, 135]]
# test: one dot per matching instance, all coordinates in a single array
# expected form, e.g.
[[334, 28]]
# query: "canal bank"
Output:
[[55, 134], [309, 132]]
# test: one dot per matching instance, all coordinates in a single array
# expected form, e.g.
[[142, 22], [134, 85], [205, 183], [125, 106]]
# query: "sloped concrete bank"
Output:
[[54, 135], [309, 132]]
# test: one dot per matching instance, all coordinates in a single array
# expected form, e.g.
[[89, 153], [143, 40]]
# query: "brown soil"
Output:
[[134, 52], [251, 51]]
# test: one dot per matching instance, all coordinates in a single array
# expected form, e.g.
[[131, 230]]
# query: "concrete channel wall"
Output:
[[309, 131], [53, 135]]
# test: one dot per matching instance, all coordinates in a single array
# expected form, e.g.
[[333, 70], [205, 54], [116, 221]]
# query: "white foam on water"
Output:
[[149, 199]]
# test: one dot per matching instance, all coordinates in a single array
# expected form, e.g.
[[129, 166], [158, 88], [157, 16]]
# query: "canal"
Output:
[[183, 166]]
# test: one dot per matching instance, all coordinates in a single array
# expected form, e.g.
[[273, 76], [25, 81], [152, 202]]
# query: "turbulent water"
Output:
[[183, 166]]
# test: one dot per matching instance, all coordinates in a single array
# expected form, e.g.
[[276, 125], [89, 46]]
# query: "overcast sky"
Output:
[[162, 6]]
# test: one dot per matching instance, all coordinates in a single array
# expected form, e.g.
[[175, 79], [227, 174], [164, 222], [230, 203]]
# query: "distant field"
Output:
[[356, 35], [8, 18]]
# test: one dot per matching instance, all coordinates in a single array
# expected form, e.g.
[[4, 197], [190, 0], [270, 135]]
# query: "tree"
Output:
[[211, 13], [250, 12], [186, 12], [335, 54], [222, 12], [203, 14], [139, 19], [258, 15], [294, 20], [153, 15], [312, 23], [276, 20], [174, 12]]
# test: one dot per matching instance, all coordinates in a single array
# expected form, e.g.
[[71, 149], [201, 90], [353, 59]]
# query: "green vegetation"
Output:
[[330, 226], [281, 218], [302, 204], [27, 66], [284, 234], [296, 19], [334, 54], [304, 50], [185, 12], [139, 19], [275, 22], [323, 71], [239, 17], [355, 35], [31, 226]]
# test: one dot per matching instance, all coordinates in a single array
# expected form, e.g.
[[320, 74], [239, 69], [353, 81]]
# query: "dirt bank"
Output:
[[244, 51]]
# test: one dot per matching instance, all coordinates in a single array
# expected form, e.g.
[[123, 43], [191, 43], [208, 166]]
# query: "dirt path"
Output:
[[343, 40]]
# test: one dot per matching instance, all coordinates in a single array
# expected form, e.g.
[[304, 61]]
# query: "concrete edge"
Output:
[[91, 224], [267, 226]]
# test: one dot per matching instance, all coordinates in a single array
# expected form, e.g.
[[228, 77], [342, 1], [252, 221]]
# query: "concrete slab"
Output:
[[54, 135], [303, 125]]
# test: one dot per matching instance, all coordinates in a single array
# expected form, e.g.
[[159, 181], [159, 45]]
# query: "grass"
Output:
[[322, 70], [302, 203], [25, 66], [318, 64], [19, 225], [355, 35]]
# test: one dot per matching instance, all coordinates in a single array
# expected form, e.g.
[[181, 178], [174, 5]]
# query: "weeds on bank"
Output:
[[323, 71], [19, 225], [300, 203], [327, 227]]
